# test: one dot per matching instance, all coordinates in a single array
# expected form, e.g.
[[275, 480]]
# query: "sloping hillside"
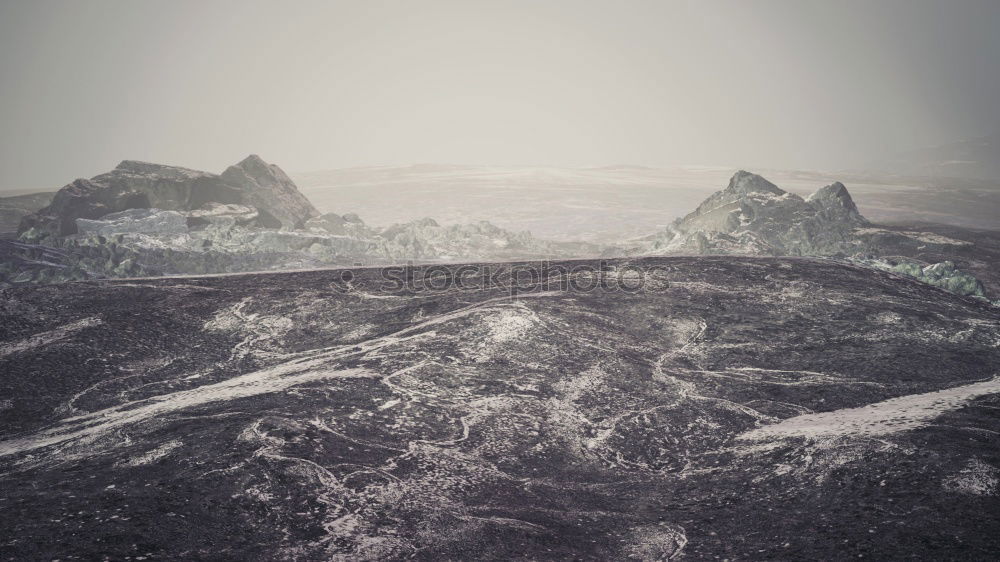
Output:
[[741, 408]]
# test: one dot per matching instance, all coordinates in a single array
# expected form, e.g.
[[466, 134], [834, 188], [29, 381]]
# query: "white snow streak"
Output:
[[881, 418], [265, 381], [51, 336], [298, 369]]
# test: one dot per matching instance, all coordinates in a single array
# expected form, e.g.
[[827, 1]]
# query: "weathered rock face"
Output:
[[132, 185], [754, 216], [834, 203], [170, 187], [268, 188], [141, 185]]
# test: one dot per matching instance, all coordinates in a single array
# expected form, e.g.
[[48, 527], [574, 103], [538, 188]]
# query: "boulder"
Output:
[[835, 203]]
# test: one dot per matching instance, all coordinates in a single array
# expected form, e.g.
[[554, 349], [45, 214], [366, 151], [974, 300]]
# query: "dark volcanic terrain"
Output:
[[734, 408]]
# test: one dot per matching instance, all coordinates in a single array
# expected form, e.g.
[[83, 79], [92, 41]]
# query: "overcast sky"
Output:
[[318, 85]]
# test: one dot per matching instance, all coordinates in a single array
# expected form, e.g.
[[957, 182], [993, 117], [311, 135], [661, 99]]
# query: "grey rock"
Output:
[[266, 187], [833, 202], [331, 223], [142, 185], [754, 216]]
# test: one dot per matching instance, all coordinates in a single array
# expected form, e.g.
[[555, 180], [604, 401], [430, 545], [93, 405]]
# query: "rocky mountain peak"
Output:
[[836, 199], [754, 216], [835, 192], [254, 167], [252, 160], [746, 182], [142, 185], [267, 187]]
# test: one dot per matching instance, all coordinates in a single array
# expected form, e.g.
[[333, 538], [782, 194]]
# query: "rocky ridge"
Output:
[[141, 185], [267, 188], [752, 216], [144, 219]]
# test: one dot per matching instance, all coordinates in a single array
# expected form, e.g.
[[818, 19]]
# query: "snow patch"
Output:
[[881, 418]]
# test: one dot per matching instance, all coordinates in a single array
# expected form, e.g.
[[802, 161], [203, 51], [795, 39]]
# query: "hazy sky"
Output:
[[315, 85]]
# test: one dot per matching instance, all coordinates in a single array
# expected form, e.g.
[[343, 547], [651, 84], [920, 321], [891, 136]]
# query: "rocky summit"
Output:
[[267, 188], [754, 216], [833, 202], [141, 185]]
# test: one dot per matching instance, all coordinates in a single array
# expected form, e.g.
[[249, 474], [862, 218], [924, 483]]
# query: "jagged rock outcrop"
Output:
[[834, 203], [266, 187], [218, 216], [754, 216], [141, 185], [132, 185]]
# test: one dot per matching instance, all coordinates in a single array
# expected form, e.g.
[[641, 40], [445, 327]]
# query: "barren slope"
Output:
[[295, 416]]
